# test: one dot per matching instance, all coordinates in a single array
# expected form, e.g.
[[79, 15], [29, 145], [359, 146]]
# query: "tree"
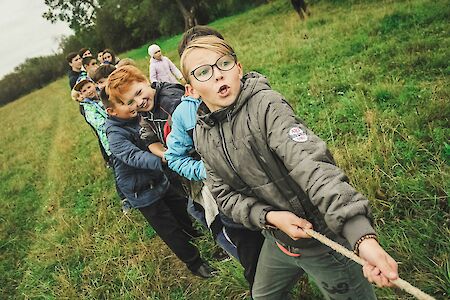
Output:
[[124, 24], [189, 13], [80, 14]]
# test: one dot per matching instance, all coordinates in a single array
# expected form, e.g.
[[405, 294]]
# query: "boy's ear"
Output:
[[241, 73], [190, 91], [110, 111]]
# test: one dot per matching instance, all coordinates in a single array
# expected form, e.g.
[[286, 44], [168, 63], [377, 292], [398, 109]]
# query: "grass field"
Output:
[[371, 78]]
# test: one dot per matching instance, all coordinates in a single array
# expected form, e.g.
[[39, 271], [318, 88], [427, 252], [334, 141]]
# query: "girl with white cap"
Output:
[[161, 68]]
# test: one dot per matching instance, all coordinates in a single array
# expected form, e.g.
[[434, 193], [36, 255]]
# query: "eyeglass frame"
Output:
[[233, 55]]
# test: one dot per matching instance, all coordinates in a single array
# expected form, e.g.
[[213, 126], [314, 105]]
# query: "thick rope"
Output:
[[403, 284]]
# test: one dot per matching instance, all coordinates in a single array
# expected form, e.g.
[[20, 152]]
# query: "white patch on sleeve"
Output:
[[297, 135]]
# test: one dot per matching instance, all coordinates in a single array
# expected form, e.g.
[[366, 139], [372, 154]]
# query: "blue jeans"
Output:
[[199, 215]]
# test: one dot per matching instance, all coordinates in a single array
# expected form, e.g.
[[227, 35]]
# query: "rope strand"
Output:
[[403, 284]]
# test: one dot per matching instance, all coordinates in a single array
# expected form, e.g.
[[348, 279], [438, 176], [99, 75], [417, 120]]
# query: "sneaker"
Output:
[[204, 271], [126, 206]]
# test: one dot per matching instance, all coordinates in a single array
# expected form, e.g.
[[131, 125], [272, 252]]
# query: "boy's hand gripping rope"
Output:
[[403, 284]]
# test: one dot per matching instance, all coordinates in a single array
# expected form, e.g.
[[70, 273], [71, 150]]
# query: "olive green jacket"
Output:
[[259, 157]]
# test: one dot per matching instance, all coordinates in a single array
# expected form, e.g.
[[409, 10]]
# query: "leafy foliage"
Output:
[[34, 73]]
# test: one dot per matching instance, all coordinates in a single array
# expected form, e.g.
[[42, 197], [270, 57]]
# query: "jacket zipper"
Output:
[[230, 163], [231, 126], [224, 147]]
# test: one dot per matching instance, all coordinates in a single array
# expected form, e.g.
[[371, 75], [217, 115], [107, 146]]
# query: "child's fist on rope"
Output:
[[289, 223], [380, 267]]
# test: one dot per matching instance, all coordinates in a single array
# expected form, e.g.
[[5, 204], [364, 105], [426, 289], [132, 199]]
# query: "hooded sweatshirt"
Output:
[[180, 155]]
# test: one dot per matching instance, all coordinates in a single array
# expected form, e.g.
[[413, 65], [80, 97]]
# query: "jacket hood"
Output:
[[251, 84], [157, 86], [165, 94]]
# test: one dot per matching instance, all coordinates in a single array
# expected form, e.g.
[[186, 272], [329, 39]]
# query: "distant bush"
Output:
[[33, 74]]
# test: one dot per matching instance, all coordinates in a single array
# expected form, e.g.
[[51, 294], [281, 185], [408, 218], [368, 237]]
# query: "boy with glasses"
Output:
[[268, 171], [181, 157]]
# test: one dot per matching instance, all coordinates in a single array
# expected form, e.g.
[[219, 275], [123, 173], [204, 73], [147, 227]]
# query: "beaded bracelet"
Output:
[[361, 239]]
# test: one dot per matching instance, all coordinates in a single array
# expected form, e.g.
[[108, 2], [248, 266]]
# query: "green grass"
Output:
[[369, 78]]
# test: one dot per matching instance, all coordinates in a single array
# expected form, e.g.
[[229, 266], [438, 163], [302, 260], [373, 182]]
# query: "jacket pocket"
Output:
[[143, 182]]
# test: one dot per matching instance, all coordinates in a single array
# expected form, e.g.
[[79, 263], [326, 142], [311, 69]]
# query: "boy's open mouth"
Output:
[[223, 90]]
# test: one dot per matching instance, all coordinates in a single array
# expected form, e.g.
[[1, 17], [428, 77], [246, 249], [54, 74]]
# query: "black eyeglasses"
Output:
[[205, 72]]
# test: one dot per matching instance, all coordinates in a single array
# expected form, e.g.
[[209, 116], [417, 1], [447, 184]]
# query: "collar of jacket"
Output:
[[162, 89], [120, 121], [251, 83]]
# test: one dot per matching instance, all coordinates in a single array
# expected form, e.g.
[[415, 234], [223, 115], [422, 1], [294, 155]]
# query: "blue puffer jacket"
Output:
[[139, 173], [180, 154]]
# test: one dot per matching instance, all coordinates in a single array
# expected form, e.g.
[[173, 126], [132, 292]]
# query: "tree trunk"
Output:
[[190, 19]]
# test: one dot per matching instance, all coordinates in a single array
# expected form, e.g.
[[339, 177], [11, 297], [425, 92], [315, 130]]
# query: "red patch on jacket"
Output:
[[166, 130]]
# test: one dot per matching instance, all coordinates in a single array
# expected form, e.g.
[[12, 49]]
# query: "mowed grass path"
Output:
[[372, 79]]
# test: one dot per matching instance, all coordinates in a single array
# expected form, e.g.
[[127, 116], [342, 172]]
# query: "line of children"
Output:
[[140, 173], [264, 168], [156, 103], [86, 92], [83, 63], [268, 171]]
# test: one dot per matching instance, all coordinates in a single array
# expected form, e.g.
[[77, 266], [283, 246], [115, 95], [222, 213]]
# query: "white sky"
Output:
[[25, 33]]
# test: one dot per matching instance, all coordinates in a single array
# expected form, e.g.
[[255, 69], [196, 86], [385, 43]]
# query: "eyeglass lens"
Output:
[[205, 72]]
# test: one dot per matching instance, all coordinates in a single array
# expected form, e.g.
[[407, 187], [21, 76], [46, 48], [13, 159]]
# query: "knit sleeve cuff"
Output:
[[258, 215], [357, 227]]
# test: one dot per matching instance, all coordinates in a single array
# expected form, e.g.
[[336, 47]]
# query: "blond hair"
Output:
[[209, 42], [120, 80], [126, 62], [75, 94]]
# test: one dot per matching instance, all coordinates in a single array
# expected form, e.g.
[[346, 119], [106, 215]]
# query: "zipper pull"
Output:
[[229, 116], [229, 124]]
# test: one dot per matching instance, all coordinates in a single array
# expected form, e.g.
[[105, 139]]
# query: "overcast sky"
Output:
[[24, 33]]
